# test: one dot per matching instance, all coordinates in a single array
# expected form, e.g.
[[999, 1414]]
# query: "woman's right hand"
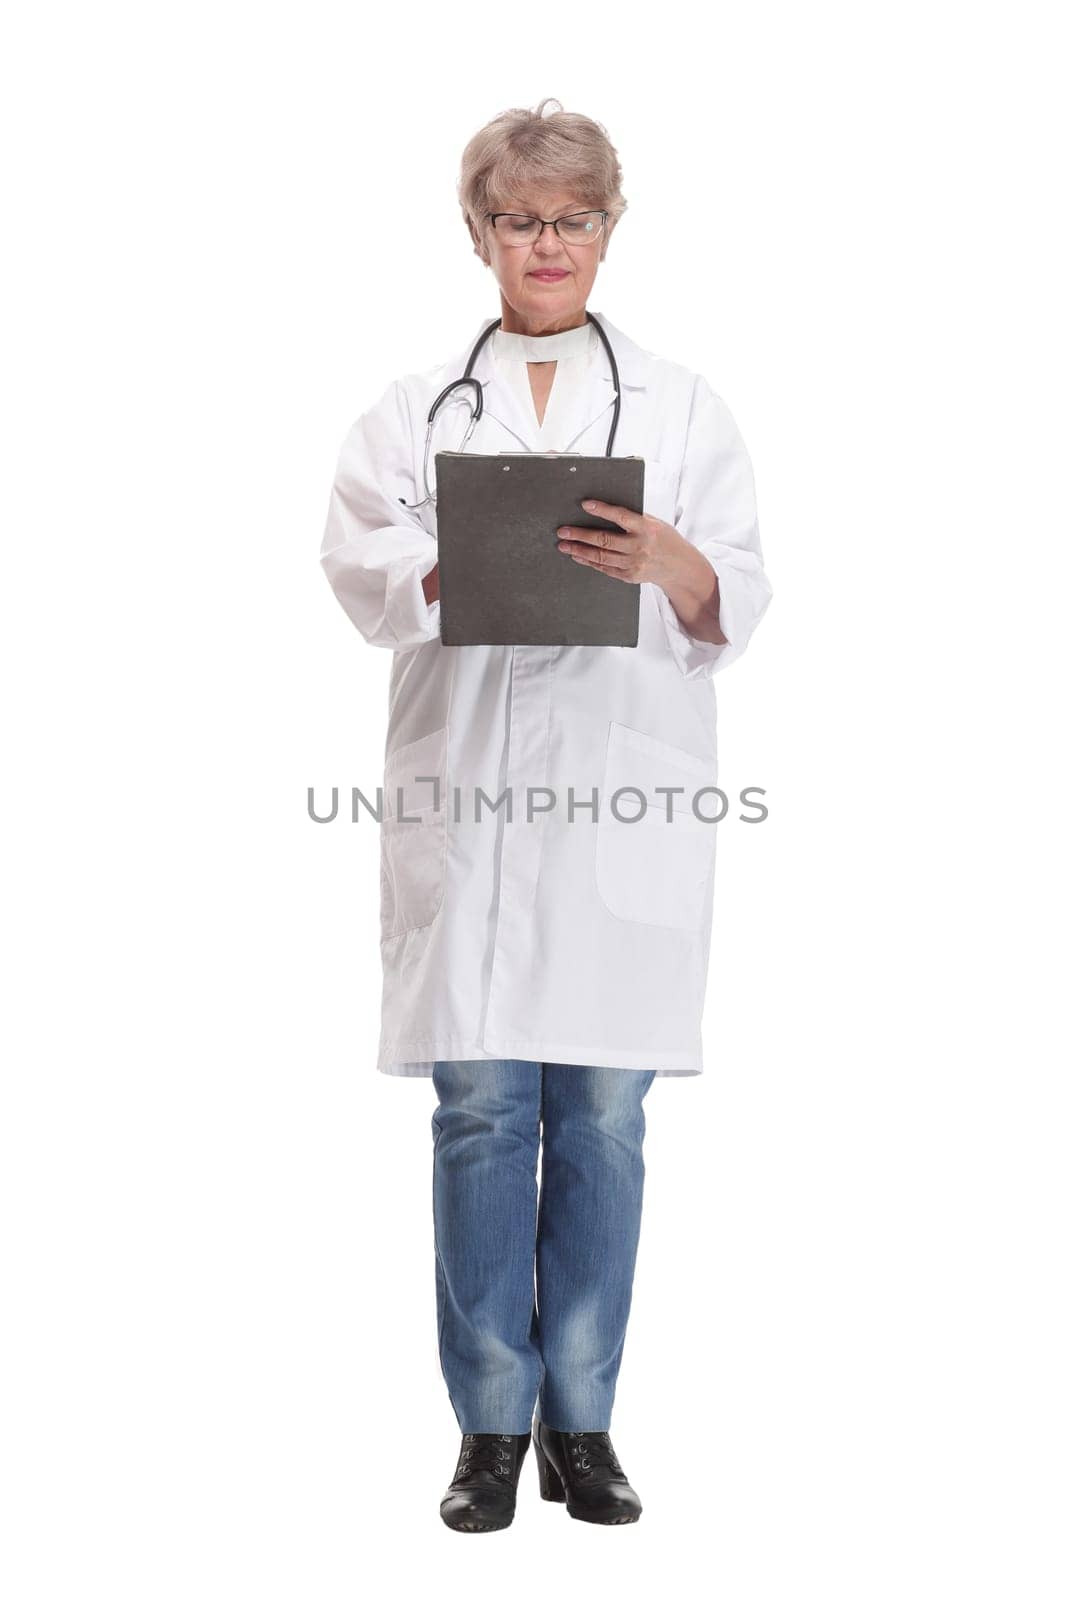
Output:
[[429, 586]]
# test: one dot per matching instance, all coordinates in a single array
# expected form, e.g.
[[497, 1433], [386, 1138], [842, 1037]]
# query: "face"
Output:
[[544, 285]]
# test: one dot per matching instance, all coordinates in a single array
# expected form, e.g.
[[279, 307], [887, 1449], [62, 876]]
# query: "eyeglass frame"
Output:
[[550, 222]]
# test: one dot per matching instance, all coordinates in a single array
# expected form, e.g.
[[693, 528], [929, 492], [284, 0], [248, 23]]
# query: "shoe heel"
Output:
[[548, 1477]]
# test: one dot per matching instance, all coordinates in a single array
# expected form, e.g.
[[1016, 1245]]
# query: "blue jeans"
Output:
[[533, 1292]]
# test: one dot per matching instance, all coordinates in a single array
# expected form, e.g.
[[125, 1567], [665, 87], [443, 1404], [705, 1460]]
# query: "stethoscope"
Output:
[[476, 408]]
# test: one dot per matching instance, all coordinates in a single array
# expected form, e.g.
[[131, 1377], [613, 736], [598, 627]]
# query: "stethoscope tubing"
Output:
[[479, 396]]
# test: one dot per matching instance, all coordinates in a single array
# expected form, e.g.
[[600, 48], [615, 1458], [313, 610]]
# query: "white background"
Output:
[[228, 228]]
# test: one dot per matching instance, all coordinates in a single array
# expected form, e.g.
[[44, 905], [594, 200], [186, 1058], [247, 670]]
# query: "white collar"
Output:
[[544, 346], [634, 363]]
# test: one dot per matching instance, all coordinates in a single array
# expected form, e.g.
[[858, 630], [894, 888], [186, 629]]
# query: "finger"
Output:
[[600, 538], [631, 520], [607, 561]]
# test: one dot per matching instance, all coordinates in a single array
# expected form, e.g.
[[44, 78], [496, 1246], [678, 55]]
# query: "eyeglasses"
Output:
[[583, 227]]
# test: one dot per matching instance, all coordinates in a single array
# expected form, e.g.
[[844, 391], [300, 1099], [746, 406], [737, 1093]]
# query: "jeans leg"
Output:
[[592, 1181], [486, 1132]]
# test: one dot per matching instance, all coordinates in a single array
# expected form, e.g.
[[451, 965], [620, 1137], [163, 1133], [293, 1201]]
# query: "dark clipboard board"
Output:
[[501, 579]]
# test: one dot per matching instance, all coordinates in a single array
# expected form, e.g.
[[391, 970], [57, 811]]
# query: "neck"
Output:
[[512, 321]]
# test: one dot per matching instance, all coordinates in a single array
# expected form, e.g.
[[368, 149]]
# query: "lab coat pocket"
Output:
[[656, 868], [414, 834], [661, 487]]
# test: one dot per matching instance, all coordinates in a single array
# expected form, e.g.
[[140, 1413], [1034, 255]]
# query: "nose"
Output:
[[549, 243]]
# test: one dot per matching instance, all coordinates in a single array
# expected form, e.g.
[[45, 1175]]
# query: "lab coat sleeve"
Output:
[[374, 552], [717, 513]]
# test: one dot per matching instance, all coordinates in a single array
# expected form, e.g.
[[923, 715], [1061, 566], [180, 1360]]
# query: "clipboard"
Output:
[[501, 578]]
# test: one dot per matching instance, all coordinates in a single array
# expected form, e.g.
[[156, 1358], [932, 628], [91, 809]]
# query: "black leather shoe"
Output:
[[583, 1470], [481, 1496]]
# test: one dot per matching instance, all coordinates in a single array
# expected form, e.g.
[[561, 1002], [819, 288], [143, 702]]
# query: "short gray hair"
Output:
[[522, 150]]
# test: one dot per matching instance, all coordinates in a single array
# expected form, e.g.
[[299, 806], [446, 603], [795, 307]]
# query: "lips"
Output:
[[549, 277]]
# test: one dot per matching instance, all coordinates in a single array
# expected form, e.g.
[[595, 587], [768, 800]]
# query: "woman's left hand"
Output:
[[648, 550], [645, 551]]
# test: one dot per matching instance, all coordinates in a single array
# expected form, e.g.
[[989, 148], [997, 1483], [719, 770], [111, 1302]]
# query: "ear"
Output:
[[479, 249]]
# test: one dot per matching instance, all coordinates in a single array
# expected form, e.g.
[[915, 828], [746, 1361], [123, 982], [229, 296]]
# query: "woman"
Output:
[[544, 964]]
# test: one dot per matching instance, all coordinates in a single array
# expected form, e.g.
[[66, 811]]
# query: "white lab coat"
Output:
[[546, 938]]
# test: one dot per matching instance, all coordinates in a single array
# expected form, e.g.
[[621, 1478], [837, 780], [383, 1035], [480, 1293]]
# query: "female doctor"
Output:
[[544, 960]]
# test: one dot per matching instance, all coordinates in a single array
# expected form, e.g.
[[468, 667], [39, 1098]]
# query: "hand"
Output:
[[648, 550], [430, 586]]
